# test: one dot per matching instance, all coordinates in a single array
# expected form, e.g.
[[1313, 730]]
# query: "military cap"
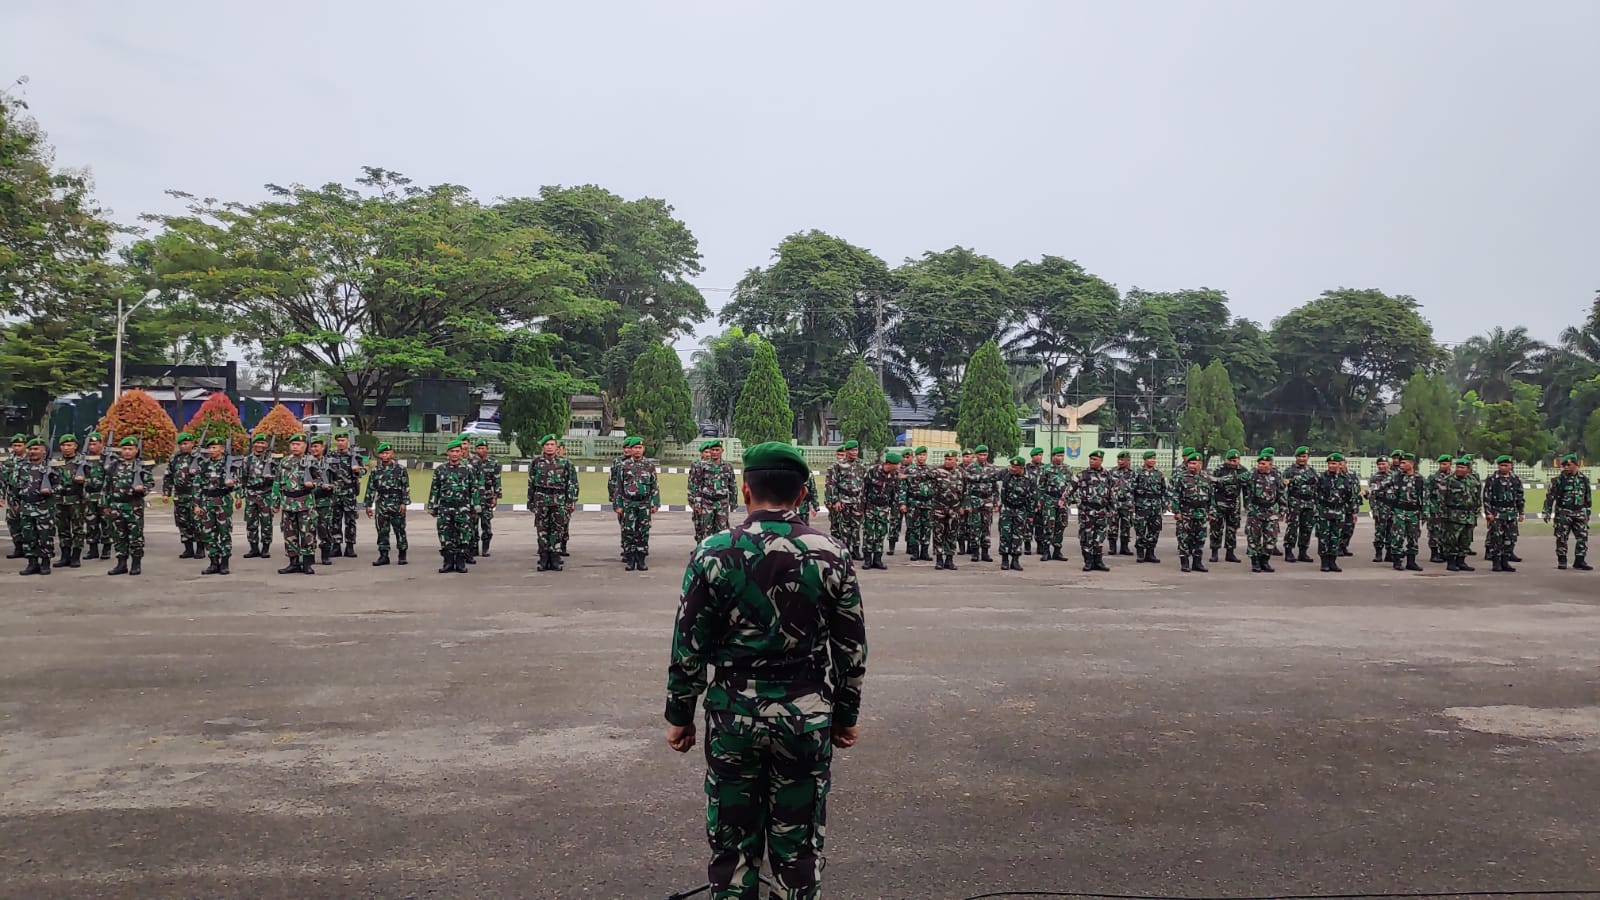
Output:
[[259, 439], [1192, 455], [481, 442], [981, 448], [919, 450], [342, 434], [94, 436], [1410, 456], [1335, 456], [129, 441], [1268, 452], [966, 451], [1016, 460], [1056, 450], [1464, 461], [1124, 454], [298, 437], [36, 442], [561, 443], [632, 441], [710, 444], [184, 436], [1302, 451], [850, 445], [892, 457], [215, 441], [19, 439], [1149, 454], [1501, 458], [453, 445], [1445, 457], [323, 439], [384, 445], [950, 453], [1232, 454], [1037, 451], [66, 439], [546, 439], [1398, 454], [1570, 458], [1097, 454], [775, 456]]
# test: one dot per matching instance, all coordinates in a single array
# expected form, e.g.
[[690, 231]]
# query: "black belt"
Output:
[[295, 495], [215, 492], [550, 490], [798, 670]]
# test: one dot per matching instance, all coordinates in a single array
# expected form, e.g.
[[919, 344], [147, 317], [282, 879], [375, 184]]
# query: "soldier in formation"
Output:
[[1053, 482], [916, 505], [966, 463], [35, 484], [566, 523], [948, 521], [880, 500], [1263, 504], [1338, 504], [1034, 468], [388, 495], [455, 495], [259, 488], [491, 488], [1228, 482], [636, 496], [981, 482], [1300, 511], [1119, 527], [896, 514], [844, 483], [345, 468], [1192, 501], [216, 496], [711, 487], [177, 485], [72, 503], [8, 496], [1432, 511], [1407, 493], [128, 484], [811, 502], [1149, 489], [97, 537], [1567, 502], [1019, 506], [552, 495], [1503, 505], [298, 477], [1456, 507], [775, 607], [1091, 491]]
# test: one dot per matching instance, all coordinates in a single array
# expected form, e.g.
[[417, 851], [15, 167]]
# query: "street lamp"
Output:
[[122, 321]]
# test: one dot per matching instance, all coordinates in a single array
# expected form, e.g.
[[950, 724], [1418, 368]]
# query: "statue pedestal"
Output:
[[1077, 443]]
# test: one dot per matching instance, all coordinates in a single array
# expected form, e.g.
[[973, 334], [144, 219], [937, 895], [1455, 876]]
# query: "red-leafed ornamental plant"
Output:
[[217, 417], [137, 414], [279, 423]]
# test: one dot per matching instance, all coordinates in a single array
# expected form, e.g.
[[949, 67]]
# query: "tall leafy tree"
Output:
[[657, 406], [861, 409], [1211, 422], [951, 303], [1513, 427], [762, 413], [988, 414], [717, 373], [536, 393], [1070, 326], [1591, 435], [1490, 363], [1426, 421]]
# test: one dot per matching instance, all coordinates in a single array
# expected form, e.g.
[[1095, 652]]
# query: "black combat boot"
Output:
[[1411, 563], [1016, 563], [326, 553], [121, 568], [985, 554], [1512, 557], [564, 549], [306, 567], [94, 551], [1399, 563], [1377, 554], [1505, 564], [66, 557], [1088, 562], [1044, 553], [266, 550], [382, 560], [1266, 563], [1580, 564], [643, 554], [542, 565], [1461, 563], [1333, 563], [32, 568], [484, 551], [188, 550], [350, 549], [950, 562], [891, 548], [1214, 554], [974, 554], [938, 561], [471, 556], [44, 564], [255, 551], [1183, 562], [1231, 556], [1100, 562], [1434, 556], [1561, 563], [16, 551], [448, 564], [1255, 563], [1005, 561], [224, 570], [1150, 556], [1324, 558], [1305, 555], [1494, 564], [136, 566], [76, 560], [333, 550], [1197, 565], [1140, 556], [402, 559], [631, 564], [1450, 564], [292, 568], [214, 568]]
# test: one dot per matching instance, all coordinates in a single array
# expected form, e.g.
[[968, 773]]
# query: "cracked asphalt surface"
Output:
[[399, 733]]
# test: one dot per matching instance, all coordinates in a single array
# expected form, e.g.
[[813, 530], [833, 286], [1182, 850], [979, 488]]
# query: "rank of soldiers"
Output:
[[91, 500]]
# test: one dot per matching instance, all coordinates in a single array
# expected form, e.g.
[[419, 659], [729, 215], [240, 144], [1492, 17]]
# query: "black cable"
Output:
[[1592, 892]]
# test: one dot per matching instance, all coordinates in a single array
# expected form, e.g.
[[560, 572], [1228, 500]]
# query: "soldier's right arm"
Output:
[[405, 487], [572, 481], [693, 632], [371, 493], [1550, 496], [847, 640], [433, 492]]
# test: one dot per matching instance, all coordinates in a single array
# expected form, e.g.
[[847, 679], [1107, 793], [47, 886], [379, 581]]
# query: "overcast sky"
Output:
[[1445, 150]]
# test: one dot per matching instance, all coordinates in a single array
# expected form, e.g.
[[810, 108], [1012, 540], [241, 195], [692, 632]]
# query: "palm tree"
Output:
[[1489, 363]]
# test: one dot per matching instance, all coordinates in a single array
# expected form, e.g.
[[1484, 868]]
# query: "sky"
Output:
[[1444, 150]]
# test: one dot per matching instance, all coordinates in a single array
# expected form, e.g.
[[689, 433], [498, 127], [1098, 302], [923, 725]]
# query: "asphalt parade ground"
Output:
[[399, 733]]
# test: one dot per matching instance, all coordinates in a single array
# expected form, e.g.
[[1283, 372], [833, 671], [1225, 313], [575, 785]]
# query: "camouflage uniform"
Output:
[[96, 531], [844, 483], [178, 485], [1378, 497], [1019, 501], [72, 506], [809, 505], [215, 498], [457, 490], [982, 489], [1301, 484], [552, 489], [711, 487], [916, 495], [1502, 496], [880, 496], [124, 508], [1263, 501], [1149, 502], [388, 495], [36, 486], [261, 501], [1568, 501], [774, 606], [1034, 471], [1053, 481], [299, 519], [13, 507], [1123, 512], [1406, 494], [1092, 491], [328, 523], [1227, 487], [635, 492], [342, 471], [1439, 527], [491, 488], [1191, 496], [1337, 500], [948, 489], [1457, 509]]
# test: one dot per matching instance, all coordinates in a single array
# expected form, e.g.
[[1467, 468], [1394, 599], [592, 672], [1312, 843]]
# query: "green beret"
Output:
[[919, 451], [214, 442], [546, 439], [632, 441], [850, 445], [892, 457], [1124, 454], [323, 440], [95, 436], [1445, 457], [1570, 458], [1037, 451], [36, 442], [1410, 456], [299, 437], [1335, 456], [342, 434], [19, 439], [66, 439], [1233, 454], [1149, 454], [1464, 461], [1191, 456], [259, 439], [965, 451], [981, 448], [775, 456], [1268, 452], [1058, 451], [184, 436], [128, 442], [1398, 453], [1016, 460], [561, 443], [1501, 458], [1097, 454], [481, 442], [950, 453], [385, 445], [1302, 451]]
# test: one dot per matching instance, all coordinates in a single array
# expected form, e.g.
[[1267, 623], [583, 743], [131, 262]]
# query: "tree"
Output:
[[217, 417], [1490, 363], [763, 412], [861, 410], [1211, 421], [657, 406], [616, 367], [1426, 421], [45, 357], [718, 374], [279, 425], [371, 286], [528, 415], [537, 395], [1070, 326], [988, 415], [952, 302], [1512, 427], [137, 414], [1591, 436]]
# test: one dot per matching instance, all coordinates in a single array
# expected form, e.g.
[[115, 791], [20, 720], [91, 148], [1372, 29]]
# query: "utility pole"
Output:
[[122, 322]]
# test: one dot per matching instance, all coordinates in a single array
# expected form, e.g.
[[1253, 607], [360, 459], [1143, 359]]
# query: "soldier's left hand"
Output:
[[681, 737], [654, 510]]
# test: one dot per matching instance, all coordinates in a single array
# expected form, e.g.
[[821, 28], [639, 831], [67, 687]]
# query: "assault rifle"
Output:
[[49, 453]]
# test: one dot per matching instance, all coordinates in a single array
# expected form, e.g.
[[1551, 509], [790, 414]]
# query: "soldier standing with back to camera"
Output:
[[775, 608]]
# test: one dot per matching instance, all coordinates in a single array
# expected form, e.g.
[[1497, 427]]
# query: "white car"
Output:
[[488, 429], [326, 424]]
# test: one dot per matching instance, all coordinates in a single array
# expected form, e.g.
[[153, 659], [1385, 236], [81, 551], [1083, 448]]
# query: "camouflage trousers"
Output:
[[980, 519], [709, 520], [13, 519], [389, 516], [1500, 538], [767, 783], [1016, 525], [1052, 526], [1121, 523], [1330, 531], [125, 528], [1298, 526], [95, 531], [919, 526], [258, 519], [1436, 527], [1261, 533], [348, 511], [1573, 523], [947, 526], [844, 524], [37, 532], [1191, 532], [454, 524], [1405, 528], [1092, 530], [894, 525], [635, 527], [483, 522], [1382, 525], [326, 526], [183, 516], [875, 528], [1147, 525], [71, 524], [550, 519], [1225, 529], [216, 525], [1346, 531], [1454, 537], [299, 531]]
